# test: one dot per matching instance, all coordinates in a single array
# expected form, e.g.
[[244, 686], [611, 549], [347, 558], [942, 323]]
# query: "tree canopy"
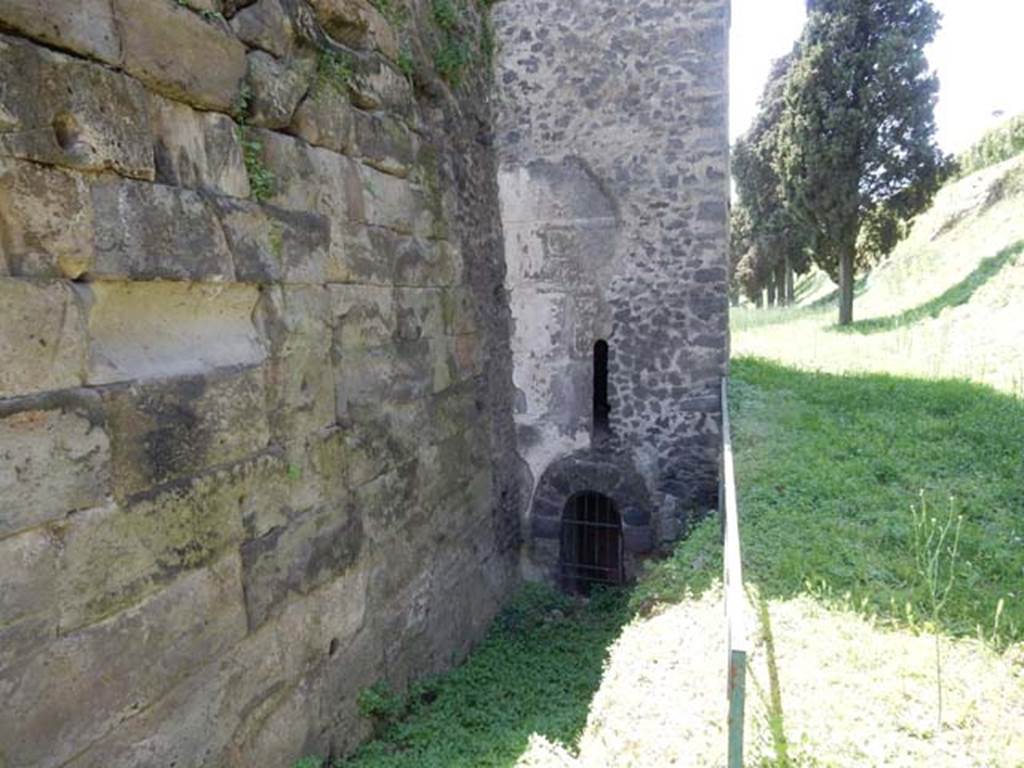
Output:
[[843, 147]]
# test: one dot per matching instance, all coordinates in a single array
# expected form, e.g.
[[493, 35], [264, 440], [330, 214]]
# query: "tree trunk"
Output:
[[780, 283], [789, 281], [846, 259], [771, 290], [759, 301]]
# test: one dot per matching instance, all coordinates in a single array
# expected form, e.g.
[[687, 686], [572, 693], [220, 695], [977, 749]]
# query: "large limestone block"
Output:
[[363, 316], [420, 313], [168, 430], [152, 231], [377, 85], [45, 221], [409, 260], [357, 24], [325, 118], [200, 150], [85, 26], [179, 53], [266, 25], [112, 558], [276, 87], [315, 548], [84, 686], [219, 715], [52, 461], [370, 380], [310, 178], [147, 330], [42, 337], [395, 204], [58, 110], [460, 311], [271, 244], [28, 572], [384, 142], [300, 384]]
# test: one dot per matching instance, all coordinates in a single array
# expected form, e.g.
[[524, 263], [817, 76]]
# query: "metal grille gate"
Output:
[[591, 543]]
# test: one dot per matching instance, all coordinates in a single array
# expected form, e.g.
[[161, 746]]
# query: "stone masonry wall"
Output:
[[613, 151], [255, 445]]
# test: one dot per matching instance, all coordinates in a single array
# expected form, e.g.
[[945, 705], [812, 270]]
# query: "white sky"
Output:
[[978, 54]]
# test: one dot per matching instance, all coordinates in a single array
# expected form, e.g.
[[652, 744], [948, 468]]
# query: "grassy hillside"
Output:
[[948, 303]]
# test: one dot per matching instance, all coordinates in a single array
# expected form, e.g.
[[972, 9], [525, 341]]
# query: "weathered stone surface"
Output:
[[300, 386], [358, 24], [219, 335], [314, 548], [86, 27], [165, 431], [265, 25], [203, 6], [410, 260], [152, 231], [395, 203], [326, 118], [363, 316], [310, 178], [88, 683], [180, 54], [146, 330], [223, 708], [111, 558], [367, 379], [384, 143], [52, 461], [270, 244], [276, 87], [42, 338], [28, 572], [376, 85], [200, 150], [45, 221], [420, 313], [63, 111]]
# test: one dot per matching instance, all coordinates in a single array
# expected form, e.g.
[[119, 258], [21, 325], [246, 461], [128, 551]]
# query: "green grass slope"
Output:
[[949, 302]]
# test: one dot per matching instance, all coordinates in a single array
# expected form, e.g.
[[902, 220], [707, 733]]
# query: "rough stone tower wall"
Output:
[[255, 437], [613, 151]]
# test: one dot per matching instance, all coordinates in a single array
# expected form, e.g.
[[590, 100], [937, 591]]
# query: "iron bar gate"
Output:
[[591, 543]]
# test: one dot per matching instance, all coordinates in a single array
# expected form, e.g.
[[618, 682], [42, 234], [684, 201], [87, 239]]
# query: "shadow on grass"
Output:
[[831, 299], [829, 468], [536, 672], [955, 296]]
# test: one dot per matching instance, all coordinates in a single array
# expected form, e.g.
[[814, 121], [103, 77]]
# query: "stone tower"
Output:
[[613, 173]]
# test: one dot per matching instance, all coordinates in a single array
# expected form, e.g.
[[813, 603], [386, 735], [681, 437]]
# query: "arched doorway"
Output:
[[591, 543]]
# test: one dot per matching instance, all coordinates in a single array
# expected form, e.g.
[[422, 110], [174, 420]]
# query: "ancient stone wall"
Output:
[[255, 438], [613, 151]]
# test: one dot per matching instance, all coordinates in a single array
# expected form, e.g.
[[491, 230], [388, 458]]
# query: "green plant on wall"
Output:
[[394, 11], [457, 49], [334, 72], [261, 178]]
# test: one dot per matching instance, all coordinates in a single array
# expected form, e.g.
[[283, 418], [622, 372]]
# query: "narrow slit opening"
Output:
[[602, 409]]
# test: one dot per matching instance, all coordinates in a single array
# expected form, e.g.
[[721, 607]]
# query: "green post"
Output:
[[737, 690]]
